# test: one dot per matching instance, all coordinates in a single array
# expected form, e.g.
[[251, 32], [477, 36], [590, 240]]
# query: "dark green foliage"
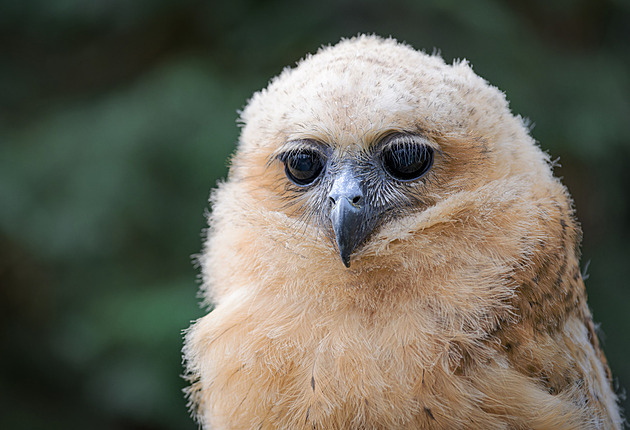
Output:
[[116, 119]]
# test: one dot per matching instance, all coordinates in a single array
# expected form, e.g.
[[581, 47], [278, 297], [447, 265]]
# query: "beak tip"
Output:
[[344, 253]]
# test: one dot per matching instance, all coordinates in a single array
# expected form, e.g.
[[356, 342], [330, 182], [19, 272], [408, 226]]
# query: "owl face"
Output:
[[348, 192], [352, 141]]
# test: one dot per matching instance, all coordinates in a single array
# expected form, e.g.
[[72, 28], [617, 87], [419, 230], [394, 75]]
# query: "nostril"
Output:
[[356, 200], [332, 200]]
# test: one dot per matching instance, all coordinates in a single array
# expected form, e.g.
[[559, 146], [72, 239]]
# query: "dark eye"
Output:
[[302, 167], [407, 161]]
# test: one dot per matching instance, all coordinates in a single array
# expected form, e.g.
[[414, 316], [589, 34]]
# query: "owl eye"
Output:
[[407, 161], [302, 167]]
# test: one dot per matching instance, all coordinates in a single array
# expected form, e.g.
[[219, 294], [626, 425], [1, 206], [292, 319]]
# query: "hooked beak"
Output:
[[346, 222], [348, 214]]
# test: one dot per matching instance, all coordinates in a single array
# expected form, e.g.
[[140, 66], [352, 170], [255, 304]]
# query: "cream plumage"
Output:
[[392, 251]]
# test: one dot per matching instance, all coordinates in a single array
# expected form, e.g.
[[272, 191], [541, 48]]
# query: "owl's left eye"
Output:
[[407, 160], [302, 167]]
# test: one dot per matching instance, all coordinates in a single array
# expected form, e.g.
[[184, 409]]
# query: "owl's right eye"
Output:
[[302, 167]]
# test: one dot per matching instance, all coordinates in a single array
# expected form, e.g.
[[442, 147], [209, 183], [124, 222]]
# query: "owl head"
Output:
[[371, 155]]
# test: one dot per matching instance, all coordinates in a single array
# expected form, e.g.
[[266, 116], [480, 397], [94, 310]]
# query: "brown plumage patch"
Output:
[[462, 305]]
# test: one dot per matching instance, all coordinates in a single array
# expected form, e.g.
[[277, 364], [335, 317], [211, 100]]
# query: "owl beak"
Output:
[[346, 222], [348, 214]]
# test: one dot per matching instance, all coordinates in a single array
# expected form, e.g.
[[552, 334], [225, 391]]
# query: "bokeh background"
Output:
[[117, 117]]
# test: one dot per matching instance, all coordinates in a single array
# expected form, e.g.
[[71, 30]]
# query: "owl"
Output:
[[391, 250]]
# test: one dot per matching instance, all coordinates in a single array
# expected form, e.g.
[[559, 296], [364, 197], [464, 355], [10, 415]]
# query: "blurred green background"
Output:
[[117, 118]]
